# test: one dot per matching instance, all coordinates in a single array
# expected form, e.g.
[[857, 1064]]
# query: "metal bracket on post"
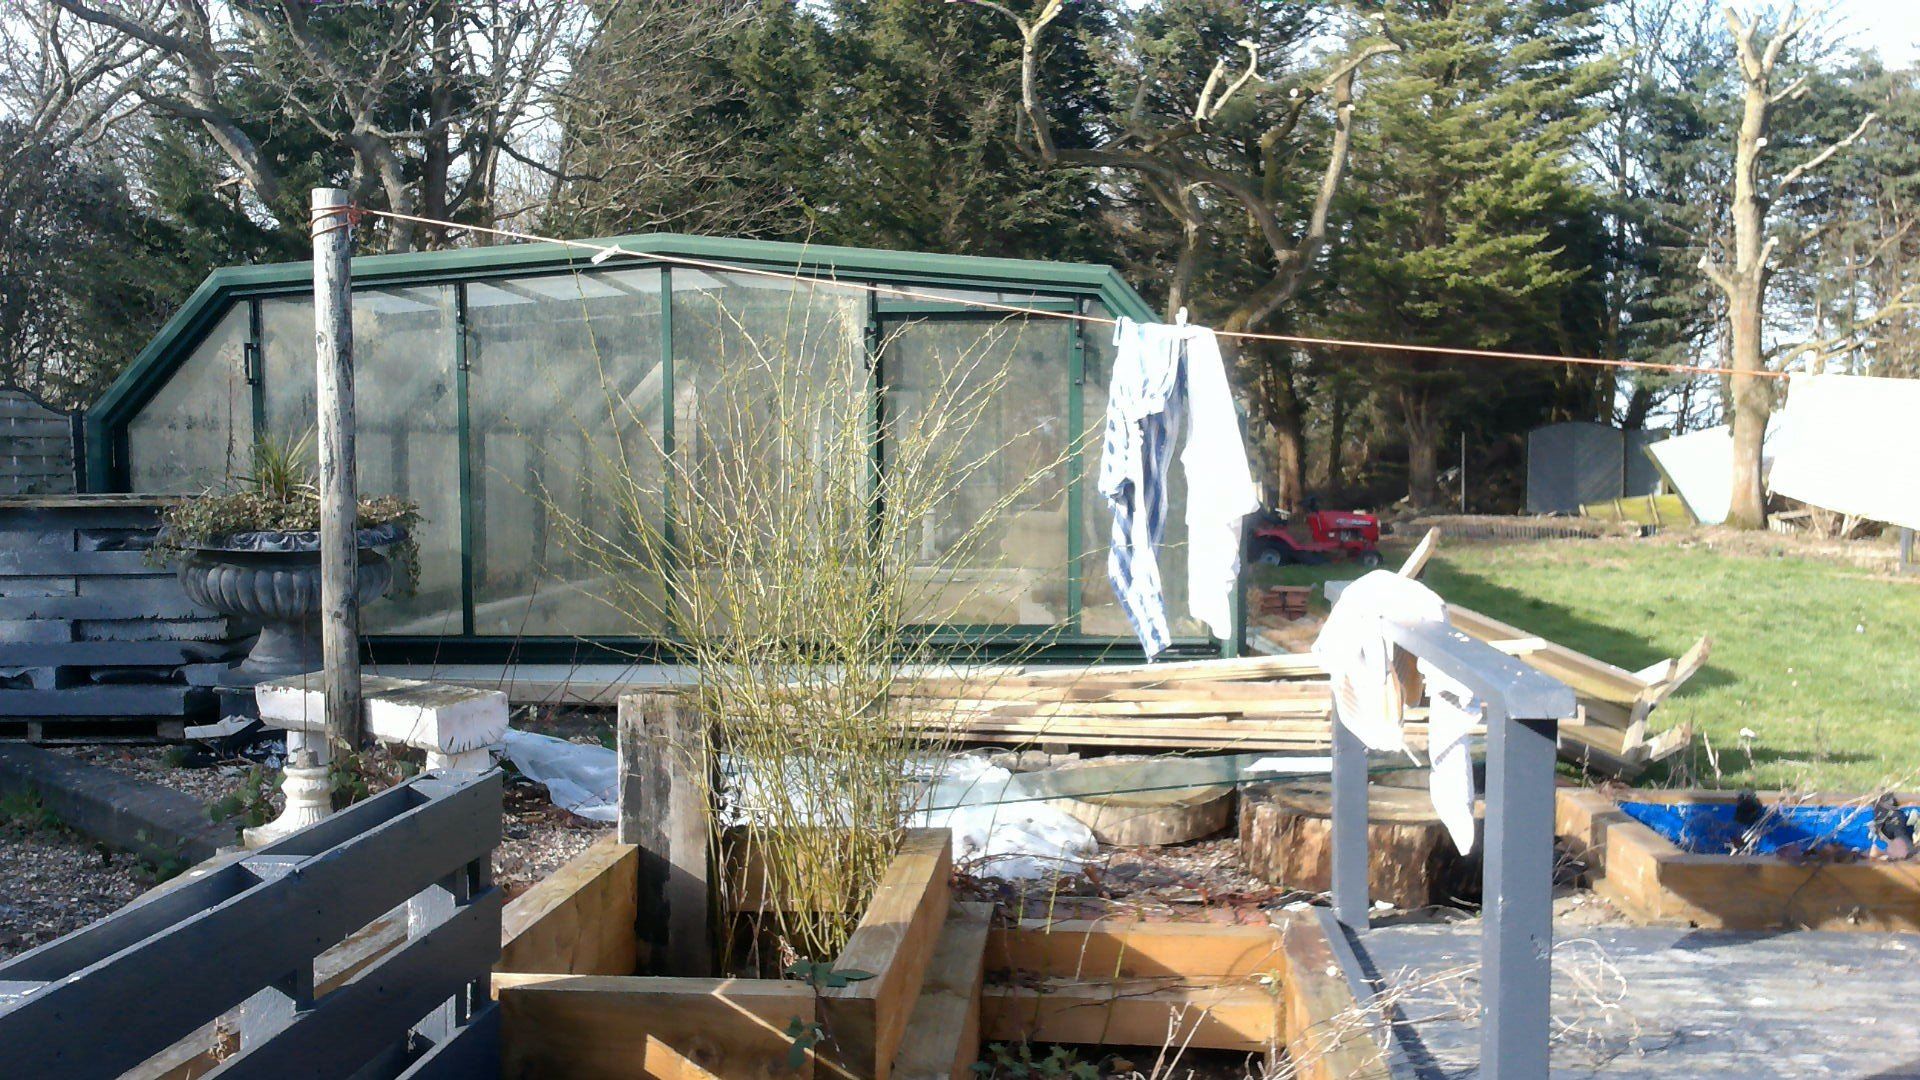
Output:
[[1351, 898]]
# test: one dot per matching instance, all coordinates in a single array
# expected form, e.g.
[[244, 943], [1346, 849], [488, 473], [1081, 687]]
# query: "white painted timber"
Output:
[[455, 725]]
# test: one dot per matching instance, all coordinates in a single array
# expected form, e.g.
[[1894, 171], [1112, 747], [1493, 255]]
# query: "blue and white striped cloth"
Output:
[[1145, 401]]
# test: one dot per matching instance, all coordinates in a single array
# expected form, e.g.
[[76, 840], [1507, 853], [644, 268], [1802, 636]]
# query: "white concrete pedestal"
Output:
[[456, 725]]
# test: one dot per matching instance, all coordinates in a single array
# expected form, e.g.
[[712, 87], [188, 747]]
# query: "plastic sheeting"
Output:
[[1699, 465], [1003, 825], [580, 778], [1848, 445], [1709, 828]]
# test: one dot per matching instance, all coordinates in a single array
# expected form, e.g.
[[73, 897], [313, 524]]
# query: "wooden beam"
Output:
[[942, 1039], [599, 1027], [1416, 563], [580, 920], [339, 493], [1146, 1013], [1327, 1034], [893, 943], [664, 788], [1127, 949], [1587, 676]]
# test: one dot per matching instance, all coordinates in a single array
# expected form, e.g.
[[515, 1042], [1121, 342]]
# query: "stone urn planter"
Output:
[[273, 579]]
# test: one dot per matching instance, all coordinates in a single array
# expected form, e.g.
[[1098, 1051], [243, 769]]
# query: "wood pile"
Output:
[[1282, 702], [1283, 601], [1250, 704]]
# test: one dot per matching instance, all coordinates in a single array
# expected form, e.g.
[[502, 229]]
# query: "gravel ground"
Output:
[[536, 839], [157, 764], [53, 881]]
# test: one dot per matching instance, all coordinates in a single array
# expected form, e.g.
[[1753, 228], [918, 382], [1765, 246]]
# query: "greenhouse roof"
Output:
[[155, 362]]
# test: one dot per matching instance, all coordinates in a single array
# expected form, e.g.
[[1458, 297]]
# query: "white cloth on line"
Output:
[[1161, 372], [1220, 489], [1144, 409], [1354, 648]]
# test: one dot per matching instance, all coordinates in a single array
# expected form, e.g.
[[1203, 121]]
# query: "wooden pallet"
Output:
[[133, 730]]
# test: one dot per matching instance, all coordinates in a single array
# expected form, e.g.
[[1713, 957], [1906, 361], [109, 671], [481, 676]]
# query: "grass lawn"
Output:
[[1821, 660]]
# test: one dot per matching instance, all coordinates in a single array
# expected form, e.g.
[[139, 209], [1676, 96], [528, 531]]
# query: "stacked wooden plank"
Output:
[[1283, 702], [1610, 734], [96, 642], [1256, 703]]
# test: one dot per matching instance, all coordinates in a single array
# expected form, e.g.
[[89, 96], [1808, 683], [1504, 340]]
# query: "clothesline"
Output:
[[603, 252]]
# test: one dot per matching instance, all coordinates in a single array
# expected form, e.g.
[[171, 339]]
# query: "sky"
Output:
[[1890, 26]]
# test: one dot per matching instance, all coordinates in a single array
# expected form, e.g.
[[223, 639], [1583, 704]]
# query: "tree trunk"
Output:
[[1639, 406], [1290, 457], [1423, 449], [1746, 507], [1337, 439]]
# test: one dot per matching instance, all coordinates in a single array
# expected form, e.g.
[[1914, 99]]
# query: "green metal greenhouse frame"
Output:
[[1053, 287]]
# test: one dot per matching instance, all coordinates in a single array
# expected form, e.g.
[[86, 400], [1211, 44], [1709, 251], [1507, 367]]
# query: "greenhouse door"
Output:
[[977, 418]]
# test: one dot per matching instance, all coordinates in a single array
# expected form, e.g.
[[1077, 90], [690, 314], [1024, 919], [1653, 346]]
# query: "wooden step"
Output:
[[1134, 1012], [942, 1039]]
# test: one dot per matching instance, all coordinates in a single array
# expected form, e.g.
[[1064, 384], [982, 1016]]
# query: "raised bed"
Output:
[[565, 1014], [1654, 880], [945, 982]]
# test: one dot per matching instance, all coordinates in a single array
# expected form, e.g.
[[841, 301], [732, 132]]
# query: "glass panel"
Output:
[[1100, 611], [407, 435], [565, 397], [198, 430], [770, 381], [985, 399]]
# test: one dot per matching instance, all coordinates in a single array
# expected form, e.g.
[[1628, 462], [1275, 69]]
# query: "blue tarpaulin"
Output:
[[1709, 828]]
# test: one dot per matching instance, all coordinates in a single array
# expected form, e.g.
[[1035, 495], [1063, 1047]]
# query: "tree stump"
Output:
[[1286, 834], [1155, 818]]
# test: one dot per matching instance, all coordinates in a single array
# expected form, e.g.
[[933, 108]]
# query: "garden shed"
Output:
[[493, 384]]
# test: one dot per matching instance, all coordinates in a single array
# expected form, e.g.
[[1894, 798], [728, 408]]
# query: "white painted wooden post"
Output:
[[339, 496]]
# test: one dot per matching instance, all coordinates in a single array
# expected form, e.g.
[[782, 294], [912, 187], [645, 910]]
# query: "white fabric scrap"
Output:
[[1452, 714], [1220, 489], [1355, 649]]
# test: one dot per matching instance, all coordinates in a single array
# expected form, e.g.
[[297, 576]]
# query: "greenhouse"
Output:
[[495, 386]]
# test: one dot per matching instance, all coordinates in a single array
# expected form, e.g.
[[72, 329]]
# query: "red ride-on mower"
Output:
[[1276, 539]]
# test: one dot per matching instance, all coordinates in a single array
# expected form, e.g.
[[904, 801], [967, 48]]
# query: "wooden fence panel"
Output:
[[36, 446]]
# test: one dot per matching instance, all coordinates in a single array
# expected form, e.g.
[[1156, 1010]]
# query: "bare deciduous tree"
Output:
[[1229, 184], [1744, 278], [427, 100], [63, 83]]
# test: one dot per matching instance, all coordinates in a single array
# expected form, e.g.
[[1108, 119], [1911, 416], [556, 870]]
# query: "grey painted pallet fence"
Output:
[[96, 642], [108, 997], [1523, 709]]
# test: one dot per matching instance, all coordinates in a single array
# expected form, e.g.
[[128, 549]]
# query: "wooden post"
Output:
[[339, 497], [663, 812]]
